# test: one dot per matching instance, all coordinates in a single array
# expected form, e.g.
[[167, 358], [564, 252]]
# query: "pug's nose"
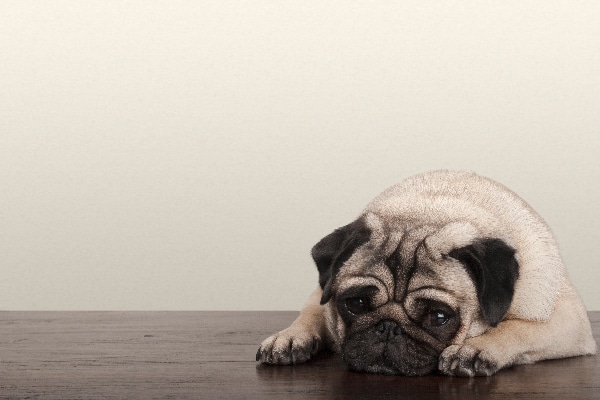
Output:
[[387, 330]]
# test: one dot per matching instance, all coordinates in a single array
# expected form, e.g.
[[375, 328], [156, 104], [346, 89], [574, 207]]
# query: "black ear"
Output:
[[492, 264], [336, 248]]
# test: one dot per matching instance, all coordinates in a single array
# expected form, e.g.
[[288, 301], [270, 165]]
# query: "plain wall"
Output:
[[166, 155]]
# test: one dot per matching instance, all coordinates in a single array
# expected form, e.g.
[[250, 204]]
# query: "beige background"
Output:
[[188, 154]]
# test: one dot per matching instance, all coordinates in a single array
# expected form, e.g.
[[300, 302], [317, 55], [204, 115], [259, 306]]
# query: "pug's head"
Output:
[[396, 294]]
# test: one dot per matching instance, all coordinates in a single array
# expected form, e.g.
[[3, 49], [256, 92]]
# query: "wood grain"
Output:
[[210, 355]]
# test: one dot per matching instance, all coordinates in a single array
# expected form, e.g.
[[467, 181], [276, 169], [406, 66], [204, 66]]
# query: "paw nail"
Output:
[[454, 365]]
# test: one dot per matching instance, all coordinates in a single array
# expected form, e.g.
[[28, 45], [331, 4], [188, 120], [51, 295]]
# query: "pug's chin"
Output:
[[407, 358], [374, 369], [384, 368]]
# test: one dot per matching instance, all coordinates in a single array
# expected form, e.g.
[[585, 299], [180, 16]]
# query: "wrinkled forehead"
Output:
[[389, 259]]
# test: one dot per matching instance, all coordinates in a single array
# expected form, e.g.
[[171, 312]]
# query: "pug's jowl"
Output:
[[445, 271]]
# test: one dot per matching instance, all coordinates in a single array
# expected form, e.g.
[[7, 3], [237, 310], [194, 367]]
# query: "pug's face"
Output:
[[397, 296]]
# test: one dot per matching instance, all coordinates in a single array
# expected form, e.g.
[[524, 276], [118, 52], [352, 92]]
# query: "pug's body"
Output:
[[445, 271]]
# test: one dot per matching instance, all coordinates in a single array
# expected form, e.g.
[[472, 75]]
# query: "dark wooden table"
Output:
[[210, 355]]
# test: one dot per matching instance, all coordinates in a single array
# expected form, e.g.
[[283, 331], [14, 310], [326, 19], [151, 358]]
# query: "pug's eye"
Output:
[[436, 318], [357, 305]]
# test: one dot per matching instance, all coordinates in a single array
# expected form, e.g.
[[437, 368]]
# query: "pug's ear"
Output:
[[494, 269], [334, 250]]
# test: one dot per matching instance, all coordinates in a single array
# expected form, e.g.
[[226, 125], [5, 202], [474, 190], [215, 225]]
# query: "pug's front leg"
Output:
[[301, 340], [513, 342]]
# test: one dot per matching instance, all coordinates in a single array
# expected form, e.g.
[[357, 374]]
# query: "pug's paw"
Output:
[[290, 346], [465, 360]]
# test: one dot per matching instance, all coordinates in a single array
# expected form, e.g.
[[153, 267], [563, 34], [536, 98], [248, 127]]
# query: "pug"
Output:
[[445, 272]]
